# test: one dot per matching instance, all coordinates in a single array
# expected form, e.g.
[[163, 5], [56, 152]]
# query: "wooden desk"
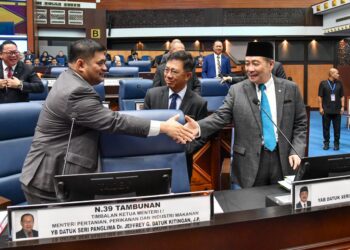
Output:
[[261, 228]]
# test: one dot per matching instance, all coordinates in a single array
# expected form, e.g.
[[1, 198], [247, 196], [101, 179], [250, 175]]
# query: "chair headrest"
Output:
[[213, 87], [18, 119], [124, 71], [134, 88]]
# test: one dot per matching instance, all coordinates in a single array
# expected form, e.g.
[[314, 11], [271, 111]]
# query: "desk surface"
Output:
[[242, 229]]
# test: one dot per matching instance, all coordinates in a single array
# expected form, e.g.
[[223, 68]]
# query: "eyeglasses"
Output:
[[11, 53], [172, 71]]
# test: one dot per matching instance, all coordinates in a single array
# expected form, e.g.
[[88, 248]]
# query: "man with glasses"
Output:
[[178, 95], [17, 79]]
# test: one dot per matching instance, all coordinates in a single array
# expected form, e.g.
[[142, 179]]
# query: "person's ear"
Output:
[[188, 75], [80, 65]]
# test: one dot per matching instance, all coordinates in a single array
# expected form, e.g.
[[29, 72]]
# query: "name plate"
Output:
[[111, 81], [320, 192], [113, 215], [50, 82]]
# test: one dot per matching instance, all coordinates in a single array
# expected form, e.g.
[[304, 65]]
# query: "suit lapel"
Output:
[[1, 71], [280, 91], [250, 91], [186, 99], [18, 70], [164, 99]]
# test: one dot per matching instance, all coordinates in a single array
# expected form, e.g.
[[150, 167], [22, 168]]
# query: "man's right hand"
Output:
[[3, 83], [321, 111], [176, 131]]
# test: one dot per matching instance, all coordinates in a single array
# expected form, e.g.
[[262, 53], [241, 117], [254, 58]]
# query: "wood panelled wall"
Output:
[[297, 74], [194, 4], [316, 73]]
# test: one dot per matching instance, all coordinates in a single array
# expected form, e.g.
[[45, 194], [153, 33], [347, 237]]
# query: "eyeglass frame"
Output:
[[11, 53]]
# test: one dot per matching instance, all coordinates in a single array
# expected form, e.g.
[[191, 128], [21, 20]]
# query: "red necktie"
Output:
[[9, 72]]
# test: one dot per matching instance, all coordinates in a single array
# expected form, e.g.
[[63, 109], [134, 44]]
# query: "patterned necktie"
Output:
[[268, 131], [219, 65], [9, 72], [173, 97]]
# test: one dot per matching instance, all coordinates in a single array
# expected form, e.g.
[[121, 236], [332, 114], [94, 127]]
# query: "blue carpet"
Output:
[[316, 137]]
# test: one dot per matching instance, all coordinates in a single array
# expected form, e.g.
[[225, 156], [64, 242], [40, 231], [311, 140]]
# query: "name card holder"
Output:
[[112, 215], [320, 192]]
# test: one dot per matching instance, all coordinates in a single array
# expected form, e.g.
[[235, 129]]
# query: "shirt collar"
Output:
[[270, 83], [181, 93], [4, 66]]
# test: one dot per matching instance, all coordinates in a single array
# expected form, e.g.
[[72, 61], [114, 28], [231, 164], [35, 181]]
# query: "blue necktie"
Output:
[[268, 131], [173, 97]]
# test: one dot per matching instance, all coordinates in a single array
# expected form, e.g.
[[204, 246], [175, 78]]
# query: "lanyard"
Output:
[[332, 88]]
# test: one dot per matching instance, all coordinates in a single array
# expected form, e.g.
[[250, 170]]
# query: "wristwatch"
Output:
[[20, 85]]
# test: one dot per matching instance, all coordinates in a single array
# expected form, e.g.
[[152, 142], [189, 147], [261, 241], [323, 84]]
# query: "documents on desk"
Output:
[[287, 182], [114, 215]]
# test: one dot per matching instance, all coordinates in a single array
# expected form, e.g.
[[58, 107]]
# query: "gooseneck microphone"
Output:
[[257, 102], [61, 192], [73, 117]]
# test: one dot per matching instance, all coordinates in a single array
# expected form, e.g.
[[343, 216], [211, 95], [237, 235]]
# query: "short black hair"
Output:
[[84, 49], [5, 43], [185, 57], [27, 214], [304, 189]]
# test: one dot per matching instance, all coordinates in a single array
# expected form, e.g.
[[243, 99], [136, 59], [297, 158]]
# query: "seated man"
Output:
[[177, 95], [17, 79]]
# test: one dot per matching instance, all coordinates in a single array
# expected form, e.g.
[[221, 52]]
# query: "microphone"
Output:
[[257, 102], [61, 194]]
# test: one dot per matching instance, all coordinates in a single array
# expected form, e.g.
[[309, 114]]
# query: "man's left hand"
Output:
[[294, 161]]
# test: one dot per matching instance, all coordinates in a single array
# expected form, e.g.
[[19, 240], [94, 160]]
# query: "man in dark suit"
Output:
[[261, 155], [303, 194], [216, 65], [178, 70], [73, 98], [17, 79], [27, 231], [159, 79], [278, 70]]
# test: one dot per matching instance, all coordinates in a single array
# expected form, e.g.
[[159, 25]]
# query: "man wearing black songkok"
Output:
[[261, 155]]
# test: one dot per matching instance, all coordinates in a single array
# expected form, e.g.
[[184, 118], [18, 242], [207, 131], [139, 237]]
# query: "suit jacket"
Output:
[[278, 70], [71, 96], [159, 80], [308, 204], [240, 109], [208, 68], [20, 234], [31, 83], [192, 105]]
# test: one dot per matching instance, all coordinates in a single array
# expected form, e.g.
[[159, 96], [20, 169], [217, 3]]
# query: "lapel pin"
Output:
[[279, 90]]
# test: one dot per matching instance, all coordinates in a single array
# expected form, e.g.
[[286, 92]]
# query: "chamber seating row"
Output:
[[118, 152]]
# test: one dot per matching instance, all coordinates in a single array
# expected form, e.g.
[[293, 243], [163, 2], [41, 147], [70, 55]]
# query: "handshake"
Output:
[[178, 132]]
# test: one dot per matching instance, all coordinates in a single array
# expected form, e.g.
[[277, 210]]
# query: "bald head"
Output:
[[177, 46], [333, 74]]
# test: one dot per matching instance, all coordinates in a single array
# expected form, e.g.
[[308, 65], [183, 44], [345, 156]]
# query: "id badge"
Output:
[[332, 97]]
